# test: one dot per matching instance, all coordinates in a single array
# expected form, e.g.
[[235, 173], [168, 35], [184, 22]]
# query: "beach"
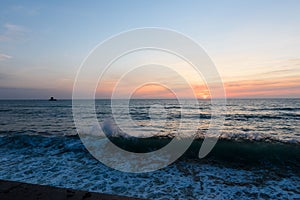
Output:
[[11, 190]]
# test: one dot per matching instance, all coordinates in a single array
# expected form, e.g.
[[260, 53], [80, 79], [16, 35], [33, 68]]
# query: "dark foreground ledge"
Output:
[[10, 190]]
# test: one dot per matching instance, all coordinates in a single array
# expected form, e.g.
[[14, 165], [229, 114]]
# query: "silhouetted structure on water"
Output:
[[52, 99]]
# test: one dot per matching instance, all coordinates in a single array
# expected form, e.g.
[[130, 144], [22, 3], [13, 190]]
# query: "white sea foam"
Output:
[[72, 167]]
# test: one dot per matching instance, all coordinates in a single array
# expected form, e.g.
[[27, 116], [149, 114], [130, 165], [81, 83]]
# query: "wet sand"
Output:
[[10, 190]]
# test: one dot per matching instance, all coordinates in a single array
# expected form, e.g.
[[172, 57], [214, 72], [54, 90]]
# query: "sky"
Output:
[[255, 44]]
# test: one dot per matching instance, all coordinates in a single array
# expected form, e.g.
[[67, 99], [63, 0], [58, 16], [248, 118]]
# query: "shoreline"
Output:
[[11, 190]]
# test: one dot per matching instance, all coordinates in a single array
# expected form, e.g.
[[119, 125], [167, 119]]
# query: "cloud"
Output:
[[4, 56], [33, 93], [279, 87], [2, 76], [262, 69], [12, 32], [24, 10]]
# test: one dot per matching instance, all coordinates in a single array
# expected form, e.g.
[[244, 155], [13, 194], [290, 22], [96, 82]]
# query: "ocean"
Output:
[[257, 155]]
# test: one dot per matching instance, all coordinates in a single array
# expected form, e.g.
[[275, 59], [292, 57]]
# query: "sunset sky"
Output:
[[254, 44]]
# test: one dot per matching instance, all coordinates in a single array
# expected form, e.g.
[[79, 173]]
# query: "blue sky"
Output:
[[42, 43]]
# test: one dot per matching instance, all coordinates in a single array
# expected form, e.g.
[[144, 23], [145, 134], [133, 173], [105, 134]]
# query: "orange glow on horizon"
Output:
[[234, 89], [263, 88]]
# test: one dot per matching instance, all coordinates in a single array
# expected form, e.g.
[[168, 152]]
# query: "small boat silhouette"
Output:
[[52, 99]]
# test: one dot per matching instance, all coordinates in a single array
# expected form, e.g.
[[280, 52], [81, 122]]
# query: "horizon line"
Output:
[[15, 99]]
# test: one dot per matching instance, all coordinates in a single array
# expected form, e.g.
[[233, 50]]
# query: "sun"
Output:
[[204, 96]]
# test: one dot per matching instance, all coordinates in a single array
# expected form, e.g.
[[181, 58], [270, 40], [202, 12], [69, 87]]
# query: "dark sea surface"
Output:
[[257, 155]]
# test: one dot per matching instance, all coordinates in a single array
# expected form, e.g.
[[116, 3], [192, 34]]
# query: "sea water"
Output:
[[257, 155]]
